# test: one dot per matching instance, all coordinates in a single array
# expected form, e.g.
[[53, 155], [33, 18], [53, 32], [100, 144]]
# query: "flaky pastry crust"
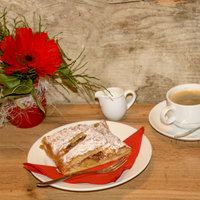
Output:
[[81, 147]]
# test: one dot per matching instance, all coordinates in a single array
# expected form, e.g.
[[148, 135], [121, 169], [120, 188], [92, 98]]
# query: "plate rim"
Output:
[[94, 187]]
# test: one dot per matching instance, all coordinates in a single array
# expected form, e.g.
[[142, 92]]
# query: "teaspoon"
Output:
[[186, 133]]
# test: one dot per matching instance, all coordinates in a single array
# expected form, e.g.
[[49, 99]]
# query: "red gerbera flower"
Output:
[[28, 50]]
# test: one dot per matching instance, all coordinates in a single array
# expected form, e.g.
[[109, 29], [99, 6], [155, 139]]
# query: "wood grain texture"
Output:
[[173, 172], [144, 45]]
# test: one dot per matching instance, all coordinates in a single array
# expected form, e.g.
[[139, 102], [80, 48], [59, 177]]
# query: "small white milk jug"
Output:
[[113, 102]]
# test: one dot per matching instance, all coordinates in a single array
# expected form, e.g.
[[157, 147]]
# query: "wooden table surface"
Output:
[[173, 172]]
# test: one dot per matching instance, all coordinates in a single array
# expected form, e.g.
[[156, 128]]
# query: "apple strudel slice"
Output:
[[81, 147]]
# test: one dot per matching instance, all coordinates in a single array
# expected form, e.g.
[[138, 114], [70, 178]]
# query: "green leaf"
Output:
[[20, 105], [65, 71], [62, 52], [33, 93], [25, 87], [7, 98], [9, 81], [67, 77], [71, 81]]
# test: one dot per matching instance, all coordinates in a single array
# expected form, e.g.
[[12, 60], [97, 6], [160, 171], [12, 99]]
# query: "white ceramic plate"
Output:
[[37, 156], [169, 130]]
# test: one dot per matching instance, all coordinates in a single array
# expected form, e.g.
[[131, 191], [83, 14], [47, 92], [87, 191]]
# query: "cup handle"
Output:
[[163, 115], [132, 93]]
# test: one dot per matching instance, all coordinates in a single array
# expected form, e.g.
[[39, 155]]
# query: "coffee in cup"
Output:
[[186, 97], [182, 106]]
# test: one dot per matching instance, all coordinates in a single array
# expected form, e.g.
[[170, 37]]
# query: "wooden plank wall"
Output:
[[144, 45]]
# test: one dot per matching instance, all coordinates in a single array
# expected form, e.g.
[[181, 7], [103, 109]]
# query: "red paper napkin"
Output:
[[134, 141]]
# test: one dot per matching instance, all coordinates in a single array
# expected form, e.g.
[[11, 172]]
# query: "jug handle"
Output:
[[133, 94]]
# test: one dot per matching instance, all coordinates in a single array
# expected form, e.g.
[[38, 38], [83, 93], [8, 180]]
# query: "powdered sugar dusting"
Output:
[[93, 140], [61, 139], [96, 136], [113, 141]]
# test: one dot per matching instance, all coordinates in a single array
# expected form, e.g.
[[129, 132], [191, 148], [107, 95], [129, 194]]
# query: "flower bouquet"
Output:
[[27, 58]]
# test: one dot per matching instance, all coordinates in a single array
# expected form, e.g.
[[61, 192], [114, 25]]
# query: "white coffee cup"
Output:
[[114, 103], [177, 112]]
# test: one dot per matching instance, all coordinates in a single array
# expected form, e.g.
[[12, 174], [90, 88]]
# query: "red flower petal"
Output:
[[31, 50]]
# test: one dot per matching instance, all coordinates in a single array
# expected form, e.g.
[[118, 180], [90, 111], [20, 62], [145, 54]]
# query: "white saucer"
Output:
[[168, 130]]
